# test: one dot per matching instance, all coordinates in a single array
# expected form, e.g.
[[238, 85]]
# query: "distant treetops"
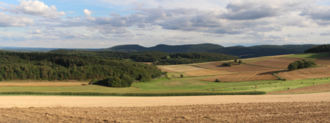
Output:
[[317, 49]]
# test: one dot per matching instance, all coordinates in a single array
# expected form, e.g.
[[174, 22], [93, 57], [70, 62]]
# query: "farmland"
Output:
[[255, 74]]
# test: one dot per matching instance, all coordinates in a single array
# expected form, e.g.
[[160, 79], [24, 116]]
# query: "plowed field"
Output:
[[236, 112], [247, 76], [308, 73], [206, 72], [276, 62]]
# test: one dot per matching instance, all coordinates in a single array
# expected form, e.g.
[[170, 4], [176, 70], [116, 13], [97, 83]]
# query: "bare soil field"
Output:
[[2, 84], [310, 89], [308, 73], [179, 68], [280, 62], [206, 72], [235, 112], [246, 76]]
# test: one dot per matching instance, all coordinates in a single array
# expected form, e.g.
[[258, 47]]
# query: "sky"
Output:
[[107, 23]]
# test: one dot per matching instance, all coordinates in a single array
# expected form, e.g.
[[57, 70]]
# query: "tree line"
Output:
[[158, 58], [55, 66]]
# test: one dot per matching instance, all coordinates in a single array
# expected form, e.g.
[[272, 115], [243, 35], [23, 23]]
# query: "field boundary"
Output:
[[134, 94]]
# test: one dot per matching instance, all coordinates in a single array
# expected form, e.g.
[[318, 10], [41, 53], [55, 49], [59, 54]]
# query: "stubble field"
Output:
[[237, 112]]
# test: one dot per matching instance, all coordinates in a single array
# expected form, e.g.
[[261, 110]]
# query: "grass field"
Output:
[[309, 55]]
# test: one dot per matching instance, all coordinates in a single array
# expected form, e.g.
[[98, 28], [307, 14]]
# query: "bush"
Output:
[[301, 64], [217, 80], [226, 64], [181, 75]]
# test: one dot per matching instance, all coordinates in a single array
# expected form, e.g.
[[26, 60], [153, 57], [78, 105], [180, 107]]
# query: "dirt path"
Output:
[[85, 101], [42, 83]]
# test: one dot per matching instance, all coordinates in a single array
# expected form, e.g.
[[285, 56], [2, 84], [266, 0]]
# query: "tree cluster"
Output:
[[301, 64], [53, 66]]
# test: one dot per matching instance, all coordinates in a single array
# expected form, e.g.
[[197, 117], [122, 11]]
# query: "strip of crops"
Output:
[[132, 94]]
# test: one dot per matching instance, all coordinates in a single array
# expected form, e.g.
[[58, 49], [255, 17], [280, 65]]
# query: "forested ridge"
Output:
[[55, 66], [158, 58], [317, 49]]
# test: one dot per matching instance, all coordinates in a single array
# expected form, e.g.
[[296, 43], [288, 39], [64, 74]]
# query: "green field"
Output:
[[175, 85], [309, 55]]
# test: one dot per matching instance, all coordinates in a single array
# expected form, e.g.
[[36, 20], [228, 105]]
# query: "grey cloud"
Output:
[[317, 12], [325, 33]]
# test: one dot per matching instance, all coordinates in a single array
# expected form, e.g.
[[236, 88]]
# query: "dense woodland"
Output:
[[158, 58], [321, 48], [53, 66]]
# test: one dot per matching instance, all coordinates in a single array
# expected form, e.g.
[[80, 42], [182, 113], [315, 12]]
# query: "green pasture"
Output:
[[178, 85], [276, 85], [309, 55]]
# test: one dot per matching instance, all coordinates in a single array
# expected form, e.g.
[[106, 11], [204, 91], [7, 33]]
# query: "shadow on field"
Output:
[[271, 72]]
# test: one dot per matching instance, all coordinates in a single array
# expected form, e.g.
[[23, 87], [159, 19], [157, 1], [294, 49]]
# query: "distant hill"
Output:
[[317, 49], [240, 51], [168, 48]]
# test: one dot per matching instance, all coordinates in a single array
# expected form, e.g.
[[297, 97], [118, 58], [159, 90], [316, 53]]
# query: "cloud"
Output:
[[325, 33], [87, 12], [314, 11], [9, 20], [37, 31], [36, 8], [70, 12]]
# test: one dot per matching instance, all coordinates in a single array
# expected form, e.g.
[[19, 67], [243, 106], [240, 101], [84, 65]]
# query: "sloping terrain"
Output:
[[307, 73]]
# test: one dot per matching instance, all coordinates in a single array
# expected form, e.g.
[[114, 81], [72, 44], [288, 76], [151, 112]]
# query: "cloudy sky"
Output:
[[106, 23]]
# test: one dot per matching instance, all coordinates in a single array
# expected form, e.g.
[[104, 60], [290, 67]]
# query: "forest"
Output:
[[55, 66], [158, 58], [317, 49]]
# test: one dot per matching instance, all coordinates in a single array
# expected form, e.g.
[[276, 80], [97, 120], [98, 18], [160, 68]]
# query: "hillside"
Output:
[[52, 66], [317, 49], [240, 51]]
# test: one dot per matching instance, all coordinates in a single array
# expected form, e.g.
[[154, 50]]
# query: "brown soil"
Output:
[[276, 62], [309, 89], [240, 68], [247, 76], [166, 70], [179, 68], [235, 112], [42, 84], [307, 73]]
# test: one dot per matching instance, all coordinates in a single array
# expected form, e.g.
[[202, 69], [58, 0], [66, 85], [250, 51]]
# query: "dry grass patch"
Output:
[[4, 84], [206, 72], [307, 73], [247, 76], [179, 68]]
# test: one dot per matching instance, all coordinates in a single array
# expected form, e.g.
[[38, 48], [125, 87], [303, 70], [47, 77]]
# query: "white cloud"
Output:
[[87, 12], [9, 20], [36, 8]]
